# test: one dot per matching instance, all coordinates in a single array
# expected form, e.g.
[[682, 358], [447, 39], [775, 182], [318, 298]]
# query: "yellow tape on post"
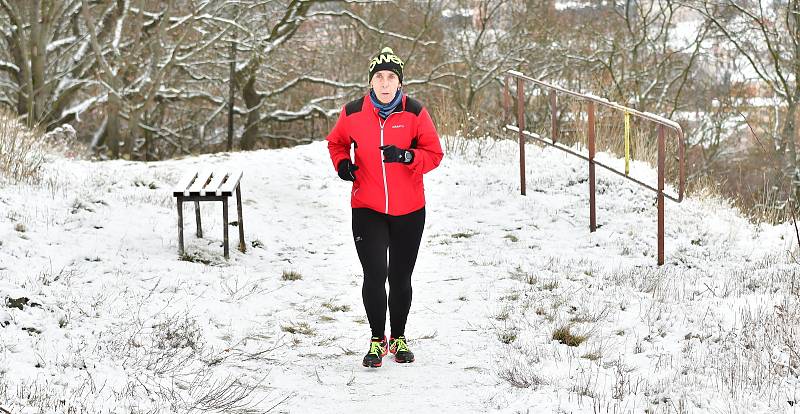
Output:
[[627, 143]]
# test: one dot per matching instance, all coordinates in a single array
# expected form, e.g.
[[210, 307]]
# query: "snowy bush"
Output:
[[63, 135]]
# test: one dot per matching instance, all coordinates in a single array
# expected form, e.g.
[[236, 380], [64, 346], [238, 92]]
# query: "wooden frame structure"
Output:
[[207, 185]]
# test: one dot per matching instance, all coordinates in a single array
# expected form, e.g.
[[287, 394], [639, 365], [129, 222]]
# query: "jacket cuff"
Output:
[[416, 163], [338, 162]]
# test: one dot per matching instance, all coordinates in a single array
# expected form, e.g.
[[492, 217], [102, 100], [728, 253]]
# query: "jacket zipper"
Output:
[[383, 164]]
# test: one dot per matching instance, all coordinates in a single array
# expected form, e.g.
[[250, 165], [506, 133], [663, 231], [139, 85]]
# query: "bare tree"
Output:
[[152, 78], [485, 43], [43, 63], [766, 35], [134, 60], [307, 71], [631, 52]]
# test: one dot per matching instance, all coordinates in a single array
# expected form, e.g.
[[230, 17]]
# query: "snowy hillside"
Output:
[[99, 314]]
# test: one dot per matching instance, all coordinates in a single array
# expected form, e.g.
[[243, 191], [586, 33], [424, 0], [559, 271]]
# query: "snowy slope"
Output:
[[115, 322]]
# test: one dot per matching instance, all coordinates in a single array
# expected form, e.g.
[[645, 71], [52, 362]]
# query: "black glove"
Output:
[[394, 154], [346, 170]]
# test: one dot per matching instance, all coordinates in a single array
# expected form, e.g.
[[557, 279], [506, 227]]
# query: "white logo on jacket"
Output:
[[398, 126]]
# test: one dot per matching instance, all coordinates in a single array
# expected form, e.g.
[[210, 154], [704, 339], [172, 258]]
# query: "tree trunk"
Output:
[[18, 46], [252, 100], [112, 128], [790, 131], [17, 51], [790, 151], [133, 131], [38, 44]]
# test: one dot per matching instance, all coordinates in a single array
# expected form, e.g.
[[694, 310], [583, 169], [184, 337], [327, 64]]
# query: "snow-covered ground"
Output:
[[115, 322]]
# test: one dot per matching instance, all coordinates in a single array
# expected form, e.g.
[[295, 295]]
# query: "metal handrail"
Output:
[[539, 138], [593, 100]]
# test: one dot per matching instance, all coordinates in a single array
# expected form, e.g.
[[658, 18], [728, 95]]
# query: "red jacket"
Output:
[[391, 188]]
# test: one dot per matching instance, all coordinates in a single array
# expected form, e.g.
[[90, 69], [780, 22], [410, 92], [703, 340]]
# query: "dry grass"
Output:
[[22, 151], [520, 376], [566, 337], [164, 364], [333, 307], [291, 275], [507, 335], [763, 342], [464, 132], [592, 356], [302, 328]]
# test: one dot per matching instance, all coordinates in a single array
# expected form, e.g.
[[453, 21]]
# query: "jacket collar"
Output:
[[368, 105]]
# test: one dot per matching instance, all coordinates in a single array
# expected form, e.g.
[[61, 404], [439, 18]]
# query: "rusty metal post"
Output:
[[591, 133], [661, 157], [554, 115], [506, 100], [682, 166], [521, 126]]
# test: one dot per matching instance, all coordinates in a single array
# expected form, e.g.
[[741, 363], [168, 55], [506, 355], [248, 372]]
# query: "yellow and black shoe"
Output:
[[377, 350], [399, 348]]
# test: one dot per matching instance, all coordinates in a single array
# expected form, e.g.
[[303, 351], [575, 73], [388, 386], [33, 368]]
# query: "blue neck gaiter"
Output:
[[385, 109]]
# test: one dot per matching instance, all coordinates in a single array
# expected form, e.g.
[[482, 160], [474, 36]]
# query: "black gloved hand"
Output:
[[347, 170], [394, 154]]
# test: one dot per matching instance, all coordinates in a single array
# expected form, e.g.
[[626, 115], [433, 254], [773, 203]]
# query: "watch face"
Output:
[[407, 156]]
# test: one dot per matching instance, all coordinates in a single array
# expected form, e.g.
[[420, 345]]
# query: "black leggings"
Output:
[[374, 233]]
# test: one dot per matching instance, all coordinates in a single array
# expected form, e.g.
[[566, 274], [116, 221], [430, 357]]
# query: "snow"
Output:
[[118, 29], [117, 323], [686, 28], [54, 45], [458, 12], [9, 66], [82, 106]]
